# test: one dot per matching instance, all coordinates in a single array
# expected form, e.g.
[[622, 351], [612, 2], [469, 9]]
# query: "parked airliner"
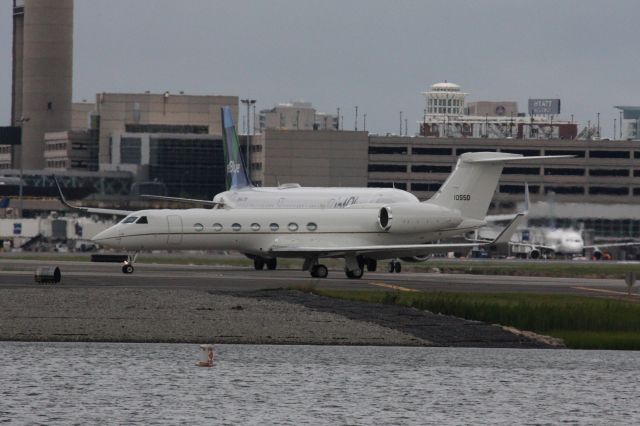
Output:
[[241, 193], [359, 233]]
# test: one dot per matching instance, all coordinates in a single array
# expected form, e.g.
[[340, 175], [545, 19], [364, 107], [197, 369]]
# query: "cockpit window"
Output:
[[143, 219], [130, 219]]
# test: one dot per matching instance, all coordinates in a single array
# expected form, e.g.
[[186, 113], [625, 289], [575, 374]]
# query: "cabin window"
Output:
[[293, 227], [217, 227], [143, 220], [274, 227], [130, 219], [312, 226], [255, 226], [236, 227], [198, 227]]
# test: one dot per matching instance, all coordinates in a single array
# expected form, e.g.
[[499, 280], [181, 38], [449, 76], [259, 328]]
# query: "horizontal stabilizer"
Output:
[[501, 159]]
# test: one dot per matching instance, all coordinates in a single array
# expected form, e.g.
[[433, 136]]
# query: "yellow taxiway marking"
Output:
[[391, 286], [601, 290]]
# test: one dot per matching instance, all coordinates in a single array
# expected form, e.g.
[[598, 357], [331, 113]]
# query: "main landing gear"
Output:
[[395, 266], [260, 262], [354, 267], [127, 267], [319, 271]]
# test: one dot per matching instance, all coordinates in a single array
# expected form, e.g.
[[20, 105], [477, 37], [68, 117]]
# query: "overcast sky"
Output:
[[376, 54]]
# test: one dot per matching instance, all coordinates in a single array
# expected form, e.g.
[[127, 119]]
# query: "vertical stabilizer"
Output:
[[470, 187], [236, 172]]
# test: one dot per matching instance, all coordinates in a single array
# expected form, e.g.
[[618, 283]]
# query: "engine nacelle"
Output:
[[416, 217], [597, 254], [535, 254], [415, 259]]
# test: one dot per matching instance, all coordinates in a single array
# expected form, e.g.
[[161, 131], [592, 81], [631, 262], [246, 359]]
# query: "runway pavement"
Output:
[[20, 273]]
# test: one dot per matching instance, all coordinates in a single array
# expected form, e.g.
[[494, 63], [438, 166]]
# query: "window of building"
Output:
[[236, 227], [274, 227], [608, 172], [512, 189], [189, 167], [564, 189], [609, 154], [130, 150], [427, 187], [426, 168], [608, 190], [166, 128], [521, 171], [217, 227], [575, 153], [388, 150], [432, 151], [559, 171], [388, 168], [397, 185]]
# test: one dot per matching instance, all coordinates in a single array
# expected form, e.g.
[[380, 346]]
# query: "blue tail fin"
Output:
[[237, 176]]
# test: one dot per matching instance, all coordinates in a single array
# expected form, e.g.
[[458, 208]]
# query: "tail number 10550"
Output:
[[462, 197]]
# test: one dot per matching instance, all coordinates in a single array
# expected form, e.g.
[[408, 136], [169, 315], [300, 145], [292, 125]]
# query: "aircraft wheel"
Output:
[[372, 265], [357, 274], [392, 267], [272, 264], [127, 269], [258, 263], [319, 271], [397, 267]]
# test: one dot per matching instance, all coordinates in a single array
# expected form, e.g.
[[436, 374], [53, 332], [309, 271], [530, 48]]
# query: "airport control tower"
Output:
[[42, 74]]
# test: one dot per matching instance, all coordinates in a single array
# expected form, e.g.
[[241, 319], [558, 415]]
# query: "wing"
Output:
[[627, 244], [393, 250], [531, 245], [183, 200], [92, 210]]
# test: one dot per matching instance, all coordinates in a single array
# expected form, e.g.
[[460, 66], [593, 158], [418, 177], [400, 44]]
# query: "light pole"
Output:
[[598, 125], [338, 120], [400, 123], [364, 121], [248, 102], [21, 121]]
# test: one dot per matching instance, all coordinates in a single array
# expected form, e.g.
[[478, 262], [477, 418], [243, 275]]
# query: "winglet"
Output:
[[112, 212], [62, 199], [236, 173]]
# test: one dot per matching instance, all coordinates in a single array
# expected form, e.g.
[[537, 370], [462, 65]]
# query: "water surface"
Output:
[[62, 383]]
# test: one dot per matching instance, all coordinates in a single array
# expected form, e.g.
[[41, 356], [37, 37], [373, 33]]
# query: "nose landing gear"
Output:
[[127, 268]]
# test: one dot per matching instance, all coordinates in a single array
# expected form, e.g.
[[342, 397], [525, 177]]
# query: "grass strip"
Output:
[[582, 322], [536, 269]]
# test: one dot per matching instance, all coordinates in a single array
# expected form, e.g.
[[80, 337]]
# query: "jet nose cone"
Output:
[[105, 238], [99, 236]]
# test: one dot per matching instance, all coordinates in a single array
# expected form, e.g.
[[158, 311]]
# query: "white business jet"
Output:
[[241, 193], [355, 233]]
